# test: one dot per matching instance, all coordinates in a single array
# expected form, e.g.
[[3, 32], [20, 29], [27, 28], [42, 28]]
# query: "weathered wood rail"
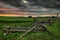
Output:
[[23, 29]]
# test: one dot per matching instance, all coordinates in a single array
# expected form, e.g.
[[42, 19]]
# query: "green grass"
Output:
[[21, 21]]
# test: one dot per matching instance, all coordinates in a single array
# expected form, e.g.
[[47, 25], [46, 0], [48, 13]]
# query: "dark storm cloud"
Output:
[[12, 2], [44, 3]]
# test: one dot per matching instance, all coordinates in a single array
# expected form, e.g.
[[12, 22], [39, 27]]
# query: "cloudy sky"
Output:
[[13, 6]]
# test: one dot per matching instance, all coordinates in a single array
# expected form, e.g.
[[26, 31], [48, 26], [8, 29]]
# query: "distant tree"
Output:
[[57, 14], [29, 16]]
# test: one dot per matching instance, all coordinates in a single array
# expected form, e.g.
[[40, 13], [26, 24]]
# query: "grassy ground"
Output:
[[19, 21]]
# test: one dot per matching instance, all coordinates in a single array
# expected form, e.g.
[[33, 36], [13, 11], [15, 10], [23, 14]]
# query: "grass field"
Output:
[[26, 22]]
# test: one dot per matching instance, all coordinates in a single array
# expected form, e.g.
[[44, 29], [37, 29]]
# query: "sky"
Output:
[[8, 8]]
